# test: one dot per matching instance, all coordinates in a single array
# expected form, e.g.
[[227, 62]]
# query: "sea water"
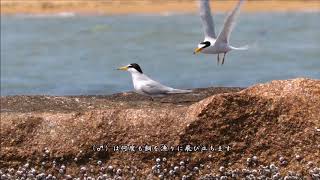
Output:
[[73, 55]]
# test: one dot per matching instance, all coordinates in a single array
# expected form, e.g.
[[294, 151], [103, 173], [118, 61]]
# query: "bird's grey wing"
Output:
[[155, 88], [229, 23], [206, 18]]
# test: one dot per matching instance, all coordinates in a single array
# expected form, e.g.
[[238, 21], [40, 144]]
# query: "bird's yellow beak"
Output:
[[124, 68], [197, 50]]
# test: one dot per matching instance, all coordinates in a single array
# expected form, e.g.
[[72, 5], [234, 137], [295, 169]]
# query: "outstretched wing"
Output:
[[206, 18], [229, 24]]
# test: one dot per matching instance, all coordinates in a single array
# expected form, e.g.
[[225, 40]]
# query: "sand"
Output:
[[94, 7]]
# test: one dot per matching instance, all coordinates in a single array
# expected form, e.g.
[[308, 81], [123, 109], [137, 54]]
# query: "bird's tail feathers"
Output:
[[179, 91], [246, 47]]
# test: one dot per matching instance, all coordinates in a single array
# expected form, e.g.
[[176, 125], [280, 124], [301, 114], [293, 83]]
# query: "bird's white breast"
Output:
[[139, 81]]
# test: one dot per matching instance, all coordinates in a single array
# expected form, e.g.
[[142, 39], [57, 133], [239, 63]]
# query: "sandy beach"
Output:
[[11, 7]]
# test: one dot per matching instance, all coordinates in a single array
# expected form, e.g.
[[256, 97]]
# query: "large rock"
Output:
[[272, 121]]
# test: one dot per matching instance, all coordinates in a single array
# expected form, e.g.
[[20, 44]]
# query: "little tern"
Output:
[[146, 86], [213, 44]]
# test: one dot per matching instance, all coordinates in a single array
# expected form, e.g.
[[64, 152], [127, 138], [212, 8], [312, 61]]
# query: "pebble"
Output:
[[83, 169], [110, 168], [26, 165], [222, 169], [223, 177], [284, 163], [47, 151], [68, 176], [119, 172], [255, 158], [102, 169], [309, 163], [165, 170], [182, 168], [184, 177], [176, 168], [281, 158], [99, 163], [298, 157], [162, 169], [171, 172]]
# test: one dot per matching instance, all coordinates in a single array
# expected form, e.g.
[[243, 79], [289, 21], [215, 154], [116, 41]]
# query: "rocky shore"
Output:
[[267, 130]]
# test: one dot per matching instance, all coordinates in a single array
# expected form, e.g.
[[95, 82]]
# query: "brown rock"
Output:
[[269, 120]]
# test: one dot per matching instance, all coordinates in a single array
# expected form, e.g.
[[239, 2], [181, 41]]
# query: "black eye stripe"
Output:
[[206, 43]]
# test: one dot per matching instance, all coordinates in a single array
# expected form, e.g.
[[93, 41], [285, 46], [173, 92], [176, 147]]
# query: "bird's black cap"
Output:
[[206, 43], [135, 66]]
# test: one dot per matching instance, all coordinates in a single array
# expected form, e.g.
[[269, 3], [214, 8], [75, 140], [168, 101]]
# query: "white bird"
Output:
[[213, 44], [146, 86]]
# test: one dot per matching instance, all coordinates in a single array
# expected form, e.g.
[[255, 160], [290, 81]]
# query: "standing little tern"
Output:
[[213, 44], [146, 86]]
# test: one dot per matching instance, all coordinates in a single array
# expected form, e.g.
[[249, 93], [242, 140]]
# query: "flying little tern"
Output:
[[213, 44], [146, 86]]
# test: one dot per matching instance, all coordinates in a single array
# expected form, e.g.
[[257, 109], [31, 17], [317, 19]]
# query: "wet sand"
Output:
[[94, 7]]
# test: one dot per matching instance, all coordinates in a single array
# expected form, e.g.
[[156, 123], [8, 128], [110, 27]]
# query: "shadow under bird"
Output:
[[146, 86], [213, 44]]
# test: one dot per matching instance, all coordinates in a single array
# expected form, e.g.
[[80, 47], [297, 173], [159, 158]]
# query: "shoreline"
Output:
[[117, 7], [45, 103]]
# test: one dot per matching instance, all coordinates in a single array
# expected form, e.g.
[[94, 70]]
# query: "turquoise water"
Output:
[[75, 55]]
